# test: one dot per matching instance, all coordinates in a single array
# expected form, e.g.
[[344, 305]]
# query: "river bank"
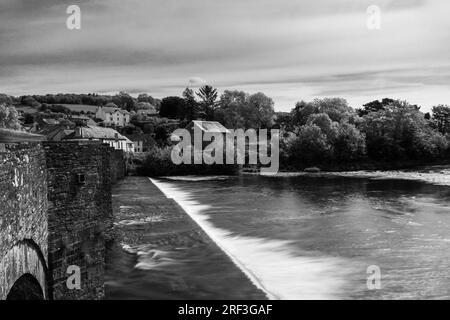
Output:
[[159, 252]]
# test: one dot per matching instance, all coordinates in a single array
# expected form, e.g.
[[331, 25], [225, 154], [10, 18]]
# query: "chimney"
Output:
[[79, 131]]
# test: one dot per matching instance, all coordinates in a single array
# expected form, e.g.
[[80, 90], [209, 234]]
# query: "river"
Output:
[[314, 237]]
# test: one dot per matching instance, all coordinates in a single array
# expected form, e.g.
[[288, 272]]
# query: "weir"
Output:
[[160, 248]]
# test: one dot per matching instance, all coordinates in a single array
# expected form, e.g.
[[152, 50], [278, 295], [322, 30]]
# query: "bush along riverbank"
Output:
[[157, 162]]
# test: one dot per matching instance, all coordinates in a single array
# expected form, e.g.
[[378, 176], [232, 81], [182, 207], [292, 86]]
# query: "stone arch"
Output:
[[27, 287], [23, 265]]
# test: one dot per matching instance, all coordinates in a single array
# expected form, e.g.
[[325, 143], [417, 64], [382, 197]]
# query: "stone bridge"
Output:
[[55, 213]]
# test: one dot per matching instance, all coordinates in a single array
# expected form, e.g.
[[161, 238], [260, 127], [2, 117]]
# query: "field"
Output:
[[80, 107]]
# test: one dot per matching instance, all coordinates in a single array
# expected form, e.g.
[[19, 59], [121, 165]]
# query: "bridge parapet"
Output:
[[79, 215], [55, 204]]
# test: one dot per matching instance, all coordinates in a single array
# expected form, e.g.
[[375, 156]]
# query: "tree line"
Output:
[[323, 131], [388, 130], [234, 109], [121, 100], [326, 131]]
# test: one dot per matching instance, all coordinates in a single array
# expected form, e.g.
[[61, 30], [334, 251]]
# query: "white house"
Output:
[[105, 135], [111, 115], [138, 146]]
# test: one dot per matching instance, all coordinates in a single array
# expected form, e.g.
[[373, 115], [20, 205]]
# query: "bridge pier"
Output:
[[26, 272], [55, 212]]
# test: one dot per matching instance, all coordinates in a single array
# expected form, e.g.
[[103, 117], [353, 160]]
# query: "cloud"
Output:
[[291, 50], [196, 81]]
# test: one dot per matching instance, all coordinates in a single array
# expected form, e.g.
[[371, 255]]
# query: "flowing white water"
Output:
[[196, 178], [437, 176], [271, 265]]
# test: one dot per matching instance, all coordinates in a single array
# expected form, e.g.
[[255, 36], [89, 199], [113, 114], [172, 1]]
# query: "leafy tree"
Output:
[[5, 99], [441, 116], [145, 106], [283, 121], [238, 109], [332, 125], [9, 118], [310, 146], [400, 131], [161, 135], [231, 109], [374, 106], [343, 141], [172, 107], [143, 97], [260, 111], [29, 101], [124, 101], [326, 125], [302, 111], [336, 108], [349, 143]]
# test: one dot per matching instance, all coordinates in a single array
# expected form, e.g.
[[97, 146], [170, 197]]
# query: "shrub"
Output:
[[158, 162]]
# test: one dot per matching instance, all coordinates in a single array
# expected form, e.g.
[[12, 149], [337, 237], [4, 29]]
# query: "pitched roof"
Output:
[[50, 121], [80, 117], [210, 126], [94, 132], [85, 119], [55, 133]]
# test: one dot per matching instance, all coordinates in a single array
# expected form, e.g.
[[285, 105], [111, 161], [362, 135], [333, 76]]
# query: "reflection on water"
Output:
[[304, 237]]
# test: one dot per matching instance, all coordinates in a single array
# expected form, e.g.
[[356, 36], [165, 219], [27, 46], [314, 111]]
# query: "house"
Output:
[[105, 135], [55, 133], [82, 120], [142, 142], [138, 145], [113, 116], [44, 122], [213, 127]]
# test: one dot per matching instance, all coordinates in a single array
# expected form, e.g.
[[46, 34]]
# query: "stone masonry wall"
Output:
[[80, 215], [56, 212], [118, 167], [23, 214]]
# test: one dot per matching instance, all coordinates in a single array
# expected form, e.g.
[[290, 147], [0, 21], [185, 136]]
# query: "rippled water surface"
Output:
[[305, 237]]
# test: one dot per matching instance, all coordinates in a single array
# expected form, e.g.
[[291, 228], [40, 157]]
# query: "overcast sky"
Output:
[[289, 49]]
